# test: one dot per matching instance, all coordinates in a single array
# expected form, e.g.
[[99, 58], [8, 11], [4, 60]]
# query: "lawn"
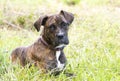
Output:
[[94, 50]]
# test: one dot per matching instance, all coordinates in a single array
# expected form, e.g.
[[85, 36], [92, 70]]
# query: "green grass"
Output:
[[94, 50]]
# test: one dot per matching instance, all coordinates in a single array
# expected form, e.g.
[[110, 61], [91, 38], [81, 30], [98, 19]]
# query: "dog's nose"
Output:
[[60, 36]]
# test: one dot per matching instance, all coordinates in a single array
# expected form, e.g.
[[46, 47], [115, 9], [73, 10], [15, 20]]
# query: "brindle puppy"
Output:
[[47, 52]]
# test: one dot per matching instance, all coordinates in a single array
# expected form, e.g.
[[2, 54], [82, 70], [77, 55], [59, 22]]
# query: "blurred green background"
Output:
[[94, 50]]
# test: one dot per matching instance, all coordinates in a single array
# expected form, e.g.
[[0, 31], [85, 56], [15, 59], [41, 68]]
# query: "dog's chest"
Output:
[[60, 65]]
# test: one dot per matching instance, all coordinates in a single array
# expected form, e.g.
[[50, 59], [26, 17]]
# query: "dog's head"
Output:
[[56, 28]]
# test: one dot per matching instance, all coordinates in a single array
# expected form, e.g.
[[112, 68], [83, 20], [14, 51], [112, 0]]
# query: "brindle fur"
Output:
[[39, 54]]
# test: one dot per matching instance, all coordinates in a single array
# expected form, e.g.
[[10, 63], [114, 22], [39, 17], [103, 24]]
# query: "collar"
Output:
[[43, 41]]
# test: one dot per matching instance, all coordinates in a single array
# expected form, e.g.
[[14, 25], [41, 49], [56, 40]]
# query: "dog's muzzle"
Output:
[[62, 39]]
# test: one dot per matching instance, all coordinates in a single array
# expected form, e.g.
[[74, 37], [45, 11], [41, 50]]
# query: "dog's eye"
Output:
[[63, 24], [52, 27]]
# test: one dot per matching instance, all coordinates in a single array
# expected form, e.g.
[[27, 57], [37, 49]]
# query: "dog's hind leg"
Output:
[[14, 56]]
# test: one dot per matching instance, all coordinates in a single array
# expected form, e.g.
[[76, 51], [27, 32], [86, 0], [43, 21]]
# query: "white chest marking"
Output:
[[60, 66]]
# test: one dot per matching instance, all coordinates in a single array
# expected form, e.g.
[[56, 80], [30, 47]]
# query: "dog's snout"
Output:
[[60, 36]]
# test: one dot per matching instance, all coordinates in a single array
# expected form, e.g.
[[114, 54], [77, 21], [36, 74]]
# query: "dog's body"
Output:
[[47, 52], [41, 56]]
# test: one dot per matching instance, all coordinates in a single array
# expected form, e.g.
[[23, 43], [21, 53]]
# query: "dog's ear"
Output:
[[40, 22], [68, 16]]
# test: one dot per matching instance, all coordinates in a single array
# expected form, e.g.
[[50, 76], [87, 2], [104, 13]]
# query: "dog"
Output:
[[47, 52]]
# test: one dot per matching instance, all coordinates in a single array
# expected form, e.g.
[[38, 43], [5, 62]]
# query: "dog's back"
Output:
[[18, 53]]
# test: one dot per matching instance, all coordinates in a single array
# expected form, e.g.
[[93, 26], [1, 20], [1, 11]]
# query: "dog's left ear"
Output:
[[68, 16], [40, 22]]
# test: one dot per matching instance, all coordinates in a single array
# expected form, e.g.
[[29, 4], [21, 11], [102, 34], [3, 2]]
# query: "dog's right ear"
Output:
[[40, 22]]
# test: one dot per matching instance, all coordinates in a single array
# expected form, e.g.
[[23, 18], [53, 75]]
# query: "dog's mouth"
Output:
[[60, 46], [61, 43]]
